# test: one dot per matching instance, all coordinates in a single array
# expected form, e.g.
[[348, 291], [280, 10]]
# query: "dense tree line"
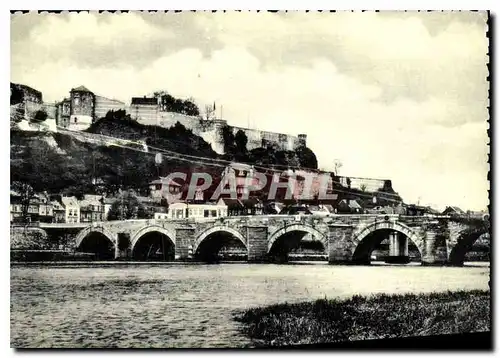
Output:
[[171, 104], [127, 207]]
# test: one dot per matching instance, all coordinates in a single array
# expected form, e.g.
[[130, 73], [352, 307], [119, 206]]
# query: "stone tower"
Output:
[[82, 108], [302, 140]]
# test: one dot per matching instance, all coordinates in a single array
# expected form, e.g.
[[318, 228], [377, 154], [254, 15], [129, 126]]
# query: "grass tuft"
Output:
[[374, 317]]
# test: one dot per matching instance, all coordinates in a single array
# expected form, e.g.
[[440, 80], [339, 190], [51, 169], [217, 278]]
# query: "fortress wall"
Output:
[[103, 105], [370, 185], [32, 107], [149, 117], [144, 114], [169, 119], [256, 138], [211, 130]]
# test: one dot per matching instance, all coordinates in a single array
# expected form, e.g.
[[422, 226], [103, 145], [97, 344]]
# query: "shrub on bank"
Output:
[[377, 317], [28, 239]]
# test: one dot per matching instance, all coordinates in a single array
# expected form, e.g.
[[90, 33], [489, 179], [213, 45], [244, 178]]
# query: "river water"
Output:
[[190, 305]]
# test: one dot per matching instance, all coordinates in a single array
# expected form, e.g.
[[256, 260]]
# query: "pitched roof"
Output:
[[353, 204], [250, 202], [171, 182], [109, 200], [81, 89], [56, 205], [93, 197], [144, 101], [456, 209], [69, 201], [232, 202], [89, 200], [239, 166]]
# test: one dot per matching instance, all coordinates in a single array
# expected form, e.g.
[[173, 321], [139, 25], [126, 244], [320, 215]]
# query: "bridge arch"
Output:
[[148, 229], [146, 236], [205, 234], [97, 229], [457, 254], [359, 236], [97, 240], [319, 236], [207, 248]]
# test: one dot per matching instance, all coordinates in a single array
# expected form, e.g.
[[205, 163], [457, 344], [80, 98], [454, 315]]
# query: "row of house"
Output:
[[69, 209], [58, 208], [288, 192], [385, 201]]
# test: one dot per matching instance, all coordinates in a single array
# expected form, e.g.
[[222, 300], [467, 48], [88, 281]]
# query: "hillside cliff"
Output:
[[58, 162]]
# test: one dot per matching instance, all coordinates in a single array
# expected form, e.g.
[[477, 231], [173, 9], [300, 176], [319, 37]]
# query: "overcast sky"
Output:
[[391, 95]]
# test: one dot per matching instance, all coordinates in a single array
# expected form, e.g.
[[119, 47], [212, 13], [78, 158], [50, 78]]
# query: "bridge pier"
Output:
[[122, 244], [184, 236], [339, 244], [398, 249], [433, 255], [257, 243]]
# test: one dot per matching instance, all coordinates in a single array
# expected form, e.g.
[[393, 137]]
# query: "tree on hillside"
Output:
[[228, 138], [306, 158], [26, 192], [127, 207], [337, 165], [240, 141], [190, 108], [119, 114], [209, 112], [169, 103], [16, 95]]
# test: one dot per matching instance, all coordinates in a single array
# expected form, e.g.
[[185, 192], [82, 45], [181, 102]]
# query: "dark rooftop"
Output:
[[144, 101], [80, 89]]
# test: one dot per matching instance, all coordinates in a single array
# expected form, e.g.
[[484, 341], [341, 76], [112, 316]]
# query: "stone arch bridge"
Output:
[[345, 238]]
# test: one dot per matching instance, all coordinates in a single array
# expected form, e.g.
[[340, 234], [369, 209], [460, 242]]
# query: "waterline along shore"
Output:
[[379, 316]]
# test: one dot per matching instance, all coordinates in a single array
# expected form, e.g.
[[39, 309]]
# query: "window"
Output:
[[206, 213], [213, 213], [76, 119], [77, 101]]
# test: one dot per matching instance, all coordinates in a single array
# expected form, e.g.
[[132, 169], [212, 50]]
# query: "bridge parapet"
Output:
[[340, 234]]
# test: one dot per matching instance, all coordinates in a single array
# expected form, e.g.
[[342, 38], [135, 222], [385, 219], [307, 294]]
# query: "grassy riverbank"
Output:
[[376, 317]]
